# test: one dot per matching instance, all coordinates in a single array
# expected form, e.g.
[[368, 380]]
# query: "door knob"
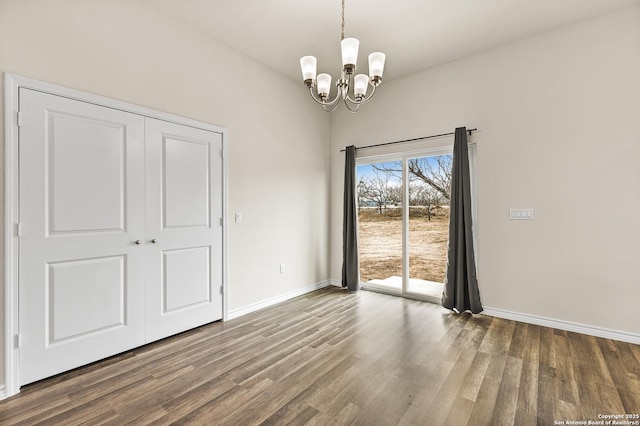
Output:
[[137, 242], [153, 241]]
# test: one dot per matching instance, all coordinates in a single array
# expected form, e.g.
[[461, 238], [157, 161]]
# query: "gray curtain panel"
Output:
[[350, 267], [461, 284]]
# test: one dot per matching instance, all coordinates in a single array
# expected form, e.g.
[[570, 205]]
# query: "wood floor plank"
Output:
[[346, 416], [567, 387], [528, 388], [504, 412], [268, 356], [356, 387], [586, 352], [473, 379], [448, 365], [17, 413], [525, 418], [499, 336], [610, 401], [219, 406], [623, 376], [440, 407], [567, 411], [460, 412], [635, 349], [628, 359], [264, 405], [75, 414], [547, 351], [390, 403], [484, 406], [547, 397], [291, 413], [517, 347], [166, 394], [336, 358], [588, 382]]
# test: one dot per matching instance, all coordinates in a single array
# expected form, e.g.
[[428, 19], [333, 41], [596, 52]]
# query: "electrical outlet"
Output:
[[282, 268]]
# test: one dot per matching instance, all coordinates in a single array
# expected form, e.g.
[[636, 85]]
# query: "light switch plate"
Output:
[[521, 214]]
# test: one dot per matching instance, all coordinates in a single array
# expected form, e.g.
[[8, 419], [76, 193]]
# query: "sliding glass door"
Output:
[[403, 213]]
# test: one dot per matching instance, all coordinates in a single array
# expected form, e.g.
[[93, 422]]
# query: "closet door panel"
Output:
[[186, 171], [86, 174], [186, 278], [81, 210], [184, 230]]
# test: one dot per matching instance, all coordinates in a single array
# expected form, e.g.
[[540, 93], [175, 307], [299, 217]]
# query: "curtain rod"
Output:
[[412, 140]]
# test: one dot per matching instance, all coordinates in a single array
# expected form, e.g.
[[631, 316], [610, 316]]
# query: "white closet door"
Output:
[[184, 230], [81, 211]]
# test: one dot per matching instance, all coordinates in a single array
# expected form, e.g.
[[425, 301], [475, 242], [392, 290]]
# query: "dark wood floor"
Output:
[[332, 358]]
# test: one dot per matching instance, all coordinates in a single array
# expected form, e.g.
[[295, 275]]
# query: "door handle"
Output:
[[153, 241], [137, 242]]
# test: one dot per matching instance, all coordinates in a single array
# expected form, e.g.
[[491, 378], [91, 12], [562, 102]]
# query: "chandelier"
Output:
[[322, 82]]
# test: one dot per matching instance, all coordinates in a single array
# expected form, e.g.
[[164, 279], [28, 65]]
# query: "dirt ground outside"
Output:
[[380, 241]]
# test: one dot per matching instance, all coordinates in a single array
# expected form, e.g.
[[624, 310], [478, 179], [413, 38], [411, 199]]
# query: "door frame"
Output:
[[12, 84], [403, 157]]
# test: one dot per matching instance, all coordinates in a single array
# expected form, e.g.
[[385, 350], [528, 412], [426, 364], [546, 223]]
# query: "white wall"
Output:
[[279, 158], [558, 117]]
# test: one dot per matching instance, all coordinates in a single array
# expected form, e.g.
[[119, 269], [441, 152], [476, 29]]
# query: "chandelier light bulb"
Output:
[[349, 47], [308, 65], [324, 85], [376, 65], [360, 83]]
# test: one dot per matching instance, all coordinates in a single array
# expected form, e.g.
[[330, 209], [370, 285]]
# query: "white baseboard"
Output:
[[622, 336], [590, 330], [277, 299]]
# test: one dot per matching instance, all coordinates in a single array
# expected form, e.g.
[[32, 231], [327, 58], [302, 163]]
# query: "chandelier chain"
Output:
[[342, 33]]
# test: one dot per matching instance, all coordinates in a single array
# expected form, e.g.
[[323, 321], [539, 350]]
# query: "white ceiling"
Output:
[[414, 34]]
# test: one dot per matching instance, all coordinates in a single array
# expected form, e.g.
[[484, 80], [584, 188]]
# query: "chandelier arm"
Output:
[[320, 101], [332, 108], [335, 100], [348, 105]]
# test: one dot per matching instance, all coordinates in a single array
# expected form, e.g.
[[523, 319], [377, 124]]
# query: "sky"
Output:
[[367, 170]]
